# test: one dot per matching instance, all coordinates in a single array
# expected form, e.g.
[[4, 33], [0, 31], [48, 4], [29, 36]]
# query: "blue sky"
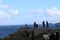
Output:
[[13, 12]]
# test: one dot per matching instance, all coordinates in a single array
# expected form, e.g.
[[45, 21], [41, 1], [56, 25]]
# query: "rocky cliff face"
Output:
[[24, 33]]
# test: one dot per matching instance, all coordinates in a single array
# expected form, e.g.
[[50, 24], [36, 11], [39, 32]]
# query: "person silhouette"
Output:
[[52, 36], [47, 24], [34, 25], [43, 24], [37, 25], [57, 35], [25, 25]]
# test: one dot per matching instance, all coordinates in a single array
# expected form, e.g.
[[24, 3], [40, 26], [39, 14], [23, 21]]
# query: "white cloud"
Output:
[[53, 12], [4, 6], [35, 11], [15, 12], [3, 14], [55, 8], [6, 11]]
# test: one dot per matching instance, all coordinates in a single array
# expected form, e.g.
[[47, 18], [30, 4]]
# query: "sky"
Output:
[[15, 12]]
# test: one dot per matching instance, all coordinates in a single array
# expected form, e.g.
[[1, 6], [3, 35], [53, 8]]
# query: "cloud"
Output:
[[4, 6], [35, 11], [53, 12], [6, 11], [15, 12], [3, 14]]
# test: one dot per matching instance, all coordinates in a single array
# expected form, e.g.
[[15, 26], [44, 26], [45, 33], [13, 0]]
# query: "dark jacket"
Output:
[[52, 37]]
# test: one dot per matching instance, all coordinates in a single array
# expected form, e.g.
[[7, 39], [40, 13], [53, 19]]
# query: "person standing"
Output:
[[43, 24], [47, 24], [35, 25]]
